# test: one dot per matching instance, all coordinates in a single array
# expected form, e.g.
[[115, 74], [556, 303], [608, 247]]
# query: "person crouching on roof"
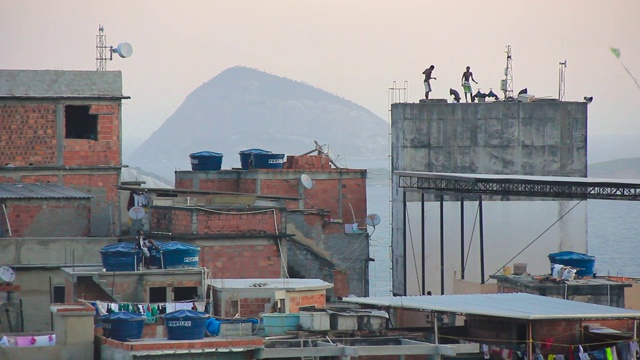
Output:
[[144, 244]]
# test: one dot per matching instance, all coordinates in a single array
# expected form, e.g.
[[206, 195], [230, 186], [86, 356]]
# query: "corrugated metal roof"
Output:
[[39, 191], [515, 306], [521, 178], [285, 284], [60, 83]]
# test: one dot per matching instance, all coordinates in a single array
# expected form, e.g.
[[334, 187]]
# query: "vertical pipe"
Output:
[[441, 244], [404, 242], [424, 250], [50, 302], [462, 238], [22, 317], [480, 214], [434, 316], [530, 342]]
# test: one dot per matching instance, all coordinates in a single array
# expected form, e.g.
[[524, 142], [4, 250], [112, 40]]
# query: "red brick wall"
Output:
[[101, 186], [298, 301], [184, 184], [340, 283], [29, 218], [28, 134], [252, 307], [242, 261], [179, 221], [231, 185], [51, 179], [104, 151]]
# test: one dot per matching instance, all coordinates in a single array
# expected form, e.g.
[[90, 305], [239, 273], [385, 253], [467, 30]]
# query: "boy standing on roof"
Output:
[[466, 85], [427, 83]]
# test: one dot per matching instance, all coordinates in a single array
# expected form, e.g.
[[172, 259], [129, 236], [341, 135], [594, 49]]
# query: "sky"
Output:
[[356, 49]]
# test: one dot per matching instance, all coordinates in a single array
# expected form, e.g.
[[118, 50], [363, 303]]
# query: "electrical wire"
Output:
[[536, 239]]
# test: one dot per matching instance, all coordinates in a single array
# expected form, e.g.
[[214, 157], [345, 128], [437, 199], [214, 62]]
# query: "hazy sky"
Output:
[[354, 49]]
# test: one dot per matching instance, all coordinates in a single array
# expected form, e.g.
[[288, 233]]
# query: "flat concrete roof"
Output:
[[61, 84], [277, 284], [542, 281], [514, 306]]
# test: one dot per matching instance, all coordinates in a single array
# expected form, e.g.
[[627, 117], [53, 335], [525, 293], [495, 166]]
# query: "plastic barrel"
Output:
[[206, 161], [122, 326], [247, 157], [185, 324], [268, 161], [121, 257], [177, 255]]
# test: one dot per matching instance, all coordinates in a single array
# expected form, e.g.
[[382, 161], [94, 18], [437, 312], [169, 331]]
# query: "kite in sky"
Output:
[[616, 53]]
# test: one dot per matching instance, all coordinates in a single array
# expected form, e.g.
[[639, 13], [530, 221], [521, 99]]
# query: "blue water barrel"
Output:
[[247, 157], [177, 255], [121, 257], [206, 161], [155, 260], [122, 326], [268, 161], [585, 263], [185, 324]]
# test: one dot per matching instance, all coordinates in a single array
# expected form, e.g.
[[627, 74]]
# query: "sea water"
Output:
[[613, 237]]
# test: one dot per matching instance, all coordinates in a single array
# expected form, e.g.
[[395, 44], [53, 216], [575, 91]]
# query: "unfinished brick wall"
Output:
[[48, 217], [181, 221], [252, 307], [103, 151], [242, 261], [298, 300], [28, 134]]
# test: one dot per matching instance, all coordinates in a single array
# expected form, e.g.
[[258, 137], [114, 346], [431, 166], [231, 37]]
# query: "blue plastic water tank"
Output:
[[121, 257], [247, 157], [585, 263], [122, 326], [185, 324], [155, 260], [176, 255], [206, 161], [268, 161]]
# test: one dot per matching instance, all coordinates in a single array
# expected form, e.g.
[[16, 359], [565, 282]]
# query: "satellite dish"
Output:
[[124, 49], [136, 213], [373, 220], [306, 181], [7, 274]]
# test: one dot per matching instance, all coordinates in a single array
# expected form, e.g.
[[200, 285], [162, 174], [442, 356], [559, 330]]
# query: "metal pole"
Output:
[[462, 238], [424, 250], [441, 244], [530, 342], [480, 214], [404, 241]]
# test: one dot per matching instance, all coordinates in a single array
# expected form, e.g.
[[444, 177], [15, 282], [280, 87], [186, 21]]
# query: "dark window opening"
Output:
[[157, 294], [79, 124], [58, 294], [185, 293], [233, 308]]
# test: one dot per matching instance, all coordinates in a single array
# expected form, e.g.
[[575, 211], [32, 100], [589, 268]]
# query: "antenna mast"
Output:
[[101, 50], [506, 85], [561, 79]]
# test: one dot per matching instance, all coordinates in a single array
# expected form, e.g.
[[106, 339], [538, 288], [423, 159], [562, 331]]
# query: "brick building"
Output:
[[60, 163], [64, 128], [264, 223]]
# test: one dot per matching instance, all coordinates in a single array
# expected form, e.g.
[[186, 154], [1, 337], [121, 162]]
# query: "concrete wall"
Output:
[[546, 138], [37, 263], [319, 248]]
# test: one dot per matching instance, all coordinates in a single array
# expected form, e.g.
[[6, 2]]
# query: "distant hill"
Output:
[[243, 108], [616, 169]]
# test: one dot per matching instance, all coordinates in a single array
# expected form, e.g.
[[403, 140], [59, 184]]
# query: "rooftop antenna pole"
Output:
[[561, 79], [101, 50], [506, 85], [124, 50]]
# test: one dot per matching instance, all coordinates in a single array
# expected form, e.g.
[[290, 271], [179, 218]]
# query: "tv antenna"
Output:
[[561, 79], [506, 85], [124, 50]]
